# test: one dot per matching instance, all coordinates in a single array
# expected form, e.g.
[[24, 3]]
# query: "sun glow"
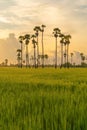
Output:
[[3, 19]]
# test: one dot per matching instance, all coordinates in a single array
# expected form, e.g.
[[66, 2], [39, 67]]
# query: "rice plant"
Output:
[[37, 99]]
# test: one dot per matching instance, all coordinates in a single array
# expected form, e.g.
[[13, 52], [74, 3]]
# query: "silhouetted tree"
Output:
[[62, 43], [67, 38], [56, 32], [27, 40], [21, 38], [42, 30], [37, 29], [82, 58], [46, 56], [65, 59], [6, 62], [66, 44], [71, 54], [34, 46], [19, 57], [40, 59]]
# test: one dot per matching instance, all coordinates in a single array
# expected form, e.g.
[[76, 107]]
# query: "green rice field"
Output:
[[43, 99]]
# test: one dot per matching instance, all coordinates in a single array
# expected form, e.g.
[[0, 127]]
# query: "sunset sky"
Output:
[[20, 17]]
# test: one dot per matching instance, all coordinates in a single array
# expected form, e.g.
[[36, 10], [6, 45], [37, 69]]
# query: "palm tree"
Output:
[[81, 54], [21, 38], [61, 42], [40, 59], [34, 46], [27, 40], [6, 62], [66, 43], [82, 58], [65, 53], [64, 59], [37, 29], [67, 40], [19, 57], [42, 30], [56, 32], [46, 57], [71, 58]]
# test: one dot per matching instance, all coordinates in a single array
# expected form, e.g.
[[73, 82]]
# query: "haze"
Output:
[[20, 17]]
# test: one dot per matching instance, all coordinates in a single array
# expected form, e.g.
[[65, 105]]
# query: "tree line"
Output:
[[64, 41]]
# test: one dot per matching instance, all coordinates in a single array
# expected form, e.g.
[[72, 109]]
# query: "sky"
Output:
[[21, 16]]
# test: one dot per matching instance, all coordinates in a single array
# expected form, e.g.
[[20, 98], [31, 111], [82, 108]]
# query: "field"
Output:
[[43, 99]]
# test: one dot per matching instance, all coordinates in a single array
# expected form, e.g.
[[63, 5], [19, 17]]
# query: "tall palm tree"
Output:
[[82, 57], [67, 40], [64, 59], [37, 29], [56, 32], [65, 53], [66, 43], [81, 54], [19, 56], [34, 46], [6, 62], [71, 54], [40, 59], [21, 38], [61, 42], [27, 40], [46, 57], [42, 30]]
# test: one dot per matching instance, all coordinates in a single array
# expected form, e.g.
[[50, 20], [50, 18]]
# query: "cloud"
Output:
[[20, 16], [57, 12], [5, 4], [8, 48]]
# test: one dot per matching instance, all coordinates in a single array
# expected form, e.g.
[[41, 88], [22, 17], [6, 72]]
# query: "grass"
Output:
[[43, 99]]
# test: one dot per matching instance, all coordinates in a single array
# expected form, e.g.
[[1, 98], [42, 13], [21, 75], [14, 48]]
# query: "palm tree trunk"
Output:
[[18, 63], [21, 54], [61, 54], [56, 54], [37, 52], [42, 52], [71, 60], [34, 57], [27, 56], [67, 54]]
